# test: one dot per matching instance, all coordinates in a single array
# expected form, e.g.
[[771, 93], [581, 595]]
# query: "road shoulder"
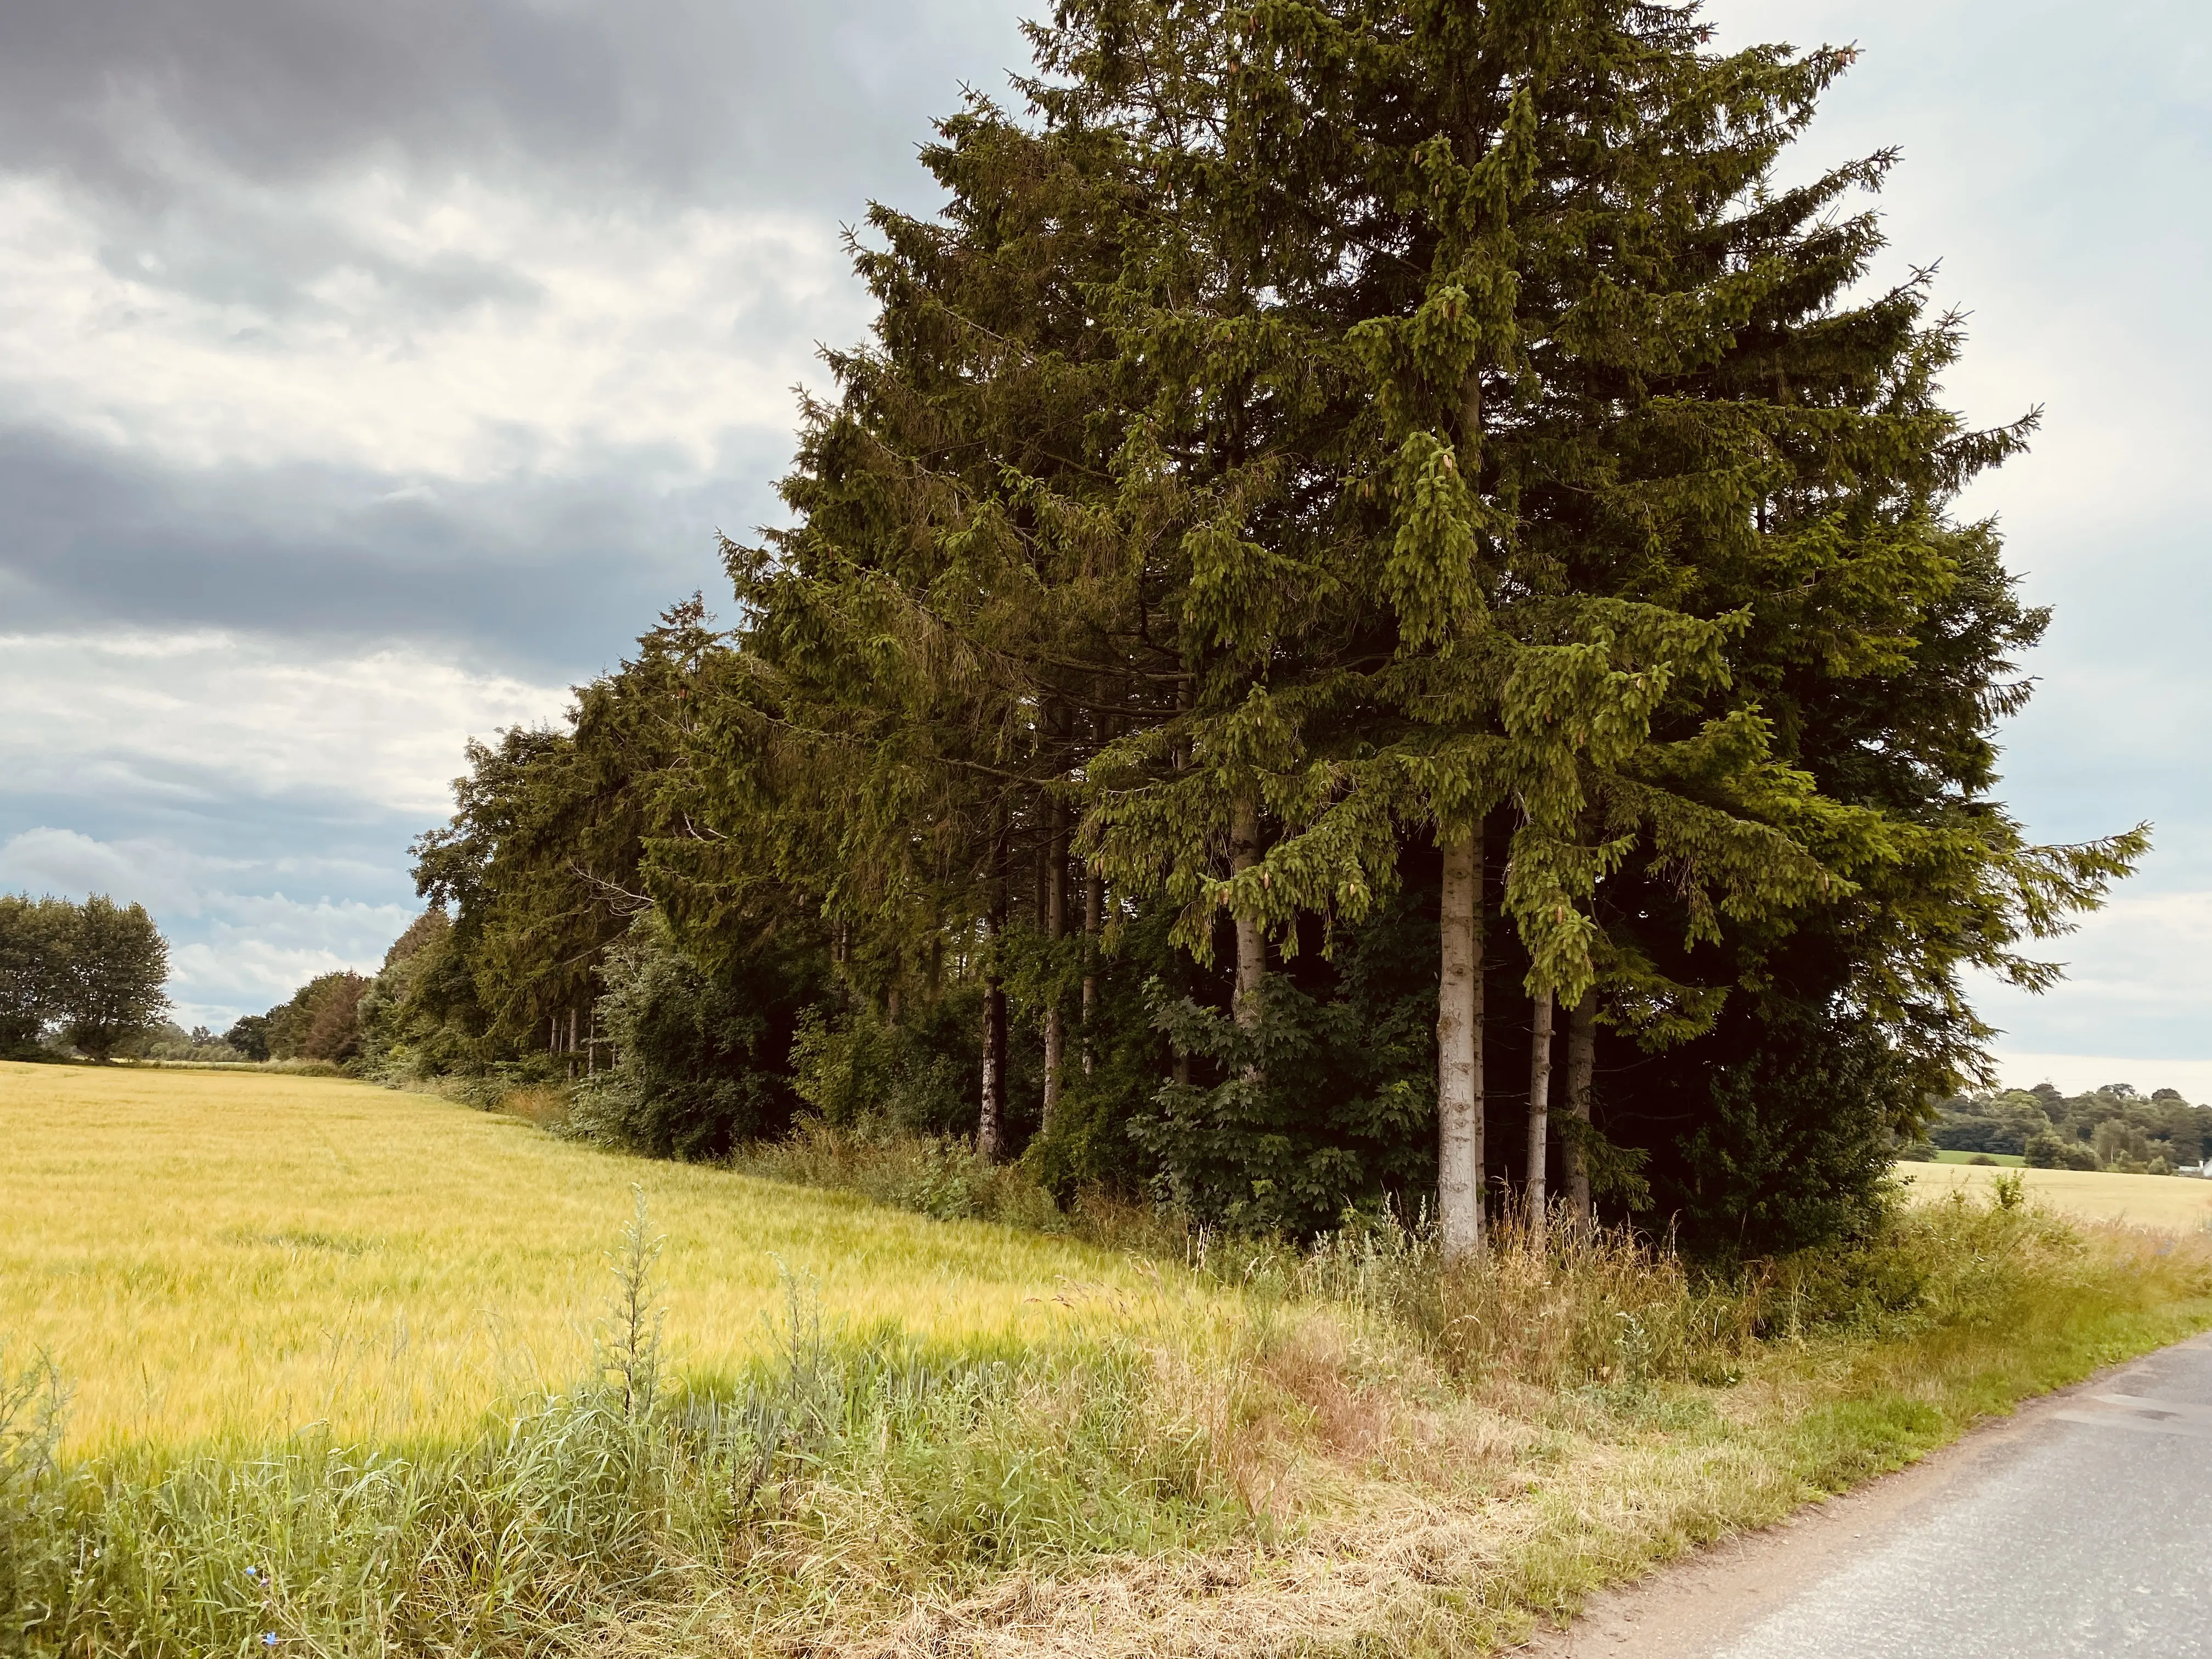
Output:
[[1691, 1608]]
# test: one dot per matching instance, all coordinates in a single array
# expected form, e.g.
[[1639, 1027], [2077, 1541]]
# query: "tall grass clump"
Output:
[[847, 1471], [939, 1176], [34, 1530], [1590, 1304], [1611, 1306]]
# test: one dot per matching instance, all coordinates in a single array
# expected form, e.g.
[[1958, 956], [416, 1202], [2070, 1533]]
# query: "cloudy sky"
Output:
[[369, 374]]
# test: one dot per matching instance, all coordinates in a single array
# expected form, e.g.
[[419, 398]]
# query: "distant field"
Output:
[[211, 1254], [2013, 1160], [2173, 1201]]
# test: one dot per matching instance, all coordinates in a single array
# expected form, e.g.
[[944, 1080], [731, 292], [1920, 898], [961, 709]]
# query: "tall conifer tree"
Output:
[[961, 617], [1552, 398]]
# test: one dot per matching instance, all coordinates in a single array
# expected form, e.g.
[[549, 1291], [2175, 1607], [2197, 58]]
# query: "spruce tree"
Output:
[[956, 623], [542, 863], [1561, 405]]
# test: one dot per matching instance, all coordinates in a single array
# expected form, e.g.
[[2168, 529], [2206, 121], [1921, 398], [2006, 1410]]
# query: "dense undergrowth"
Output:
[[1547, 1420]]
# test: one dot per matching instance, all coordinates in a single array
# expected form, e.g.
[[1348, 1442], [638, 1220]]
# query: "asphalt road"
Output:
[[2083, 1526]]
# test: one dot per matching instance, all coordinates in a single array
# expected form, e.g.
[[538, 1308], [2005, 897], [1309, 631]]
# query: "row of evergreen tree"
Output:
[[1380, 619], [86, 977]]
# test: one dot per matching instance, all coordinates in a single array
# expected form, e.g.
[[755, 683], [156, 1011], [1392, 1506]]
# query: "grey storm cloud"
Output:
[[533, 572], [685, 97], [196, 136], [372, 372]]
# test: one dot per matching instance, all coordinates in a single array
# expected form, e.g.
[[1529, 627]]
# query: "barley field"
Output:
[[213, 1257], [2175, 1203]]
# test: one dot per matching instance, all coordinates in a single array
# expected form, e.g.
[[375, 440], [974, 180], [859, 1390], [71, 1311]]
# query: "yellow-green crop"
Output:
[[2175, 1203], [234, 1256]]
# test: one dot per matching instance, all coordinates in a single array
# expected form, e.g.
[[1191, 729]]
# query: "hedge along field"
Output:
[[226, 1257]]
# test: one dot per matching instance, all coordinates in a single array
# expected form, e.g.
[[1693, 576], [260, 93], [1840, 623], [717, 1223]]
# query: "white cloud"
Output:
[[460, 331], [168, 877], [154, 874], [255, 951], [2136, 979], [2039, 161], [250, 768], [205, 716]]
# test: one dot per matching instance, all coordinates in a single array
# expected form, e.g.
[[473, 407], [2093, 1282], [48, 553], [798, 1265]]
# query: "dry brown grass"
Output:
[[543, 1105]]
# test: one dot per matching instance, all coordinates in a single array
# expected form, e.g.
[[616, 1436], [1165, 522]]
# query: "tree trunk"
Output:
[[991, 1122], [1094, 922], [1251, 942], [1186, 979], [1459, 1050], [1582, 1062], [1056, 1050], [1540, 1119], [1044, 889], [991, 1118], [1055, 928]]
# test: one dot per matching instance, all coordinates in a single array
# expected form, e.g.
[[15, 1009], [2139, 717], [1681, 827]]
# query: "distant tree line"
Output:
[[1380, 621], [2112, 1127], [87, 977], [340, 1017]]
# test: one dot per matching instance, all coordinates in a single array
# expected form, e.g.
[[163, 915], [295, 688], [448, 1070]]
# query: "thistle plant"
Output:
[[630, 1338]]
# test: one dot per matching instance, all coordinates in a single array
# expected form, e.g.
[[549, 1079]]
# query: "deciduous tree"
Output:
[[115, 967], [35, 942]]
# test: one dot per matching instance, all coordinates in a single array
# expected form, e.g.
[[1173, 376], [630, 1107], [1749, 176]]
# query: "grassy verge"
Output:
[[1353, 1450]]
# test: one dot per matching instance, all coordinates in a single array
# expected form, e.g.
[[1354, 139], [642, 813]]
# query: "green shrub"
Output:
[[2051, 1151], [1326, 1103], [701, 1061], [936, 1176], [912, 1076]]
